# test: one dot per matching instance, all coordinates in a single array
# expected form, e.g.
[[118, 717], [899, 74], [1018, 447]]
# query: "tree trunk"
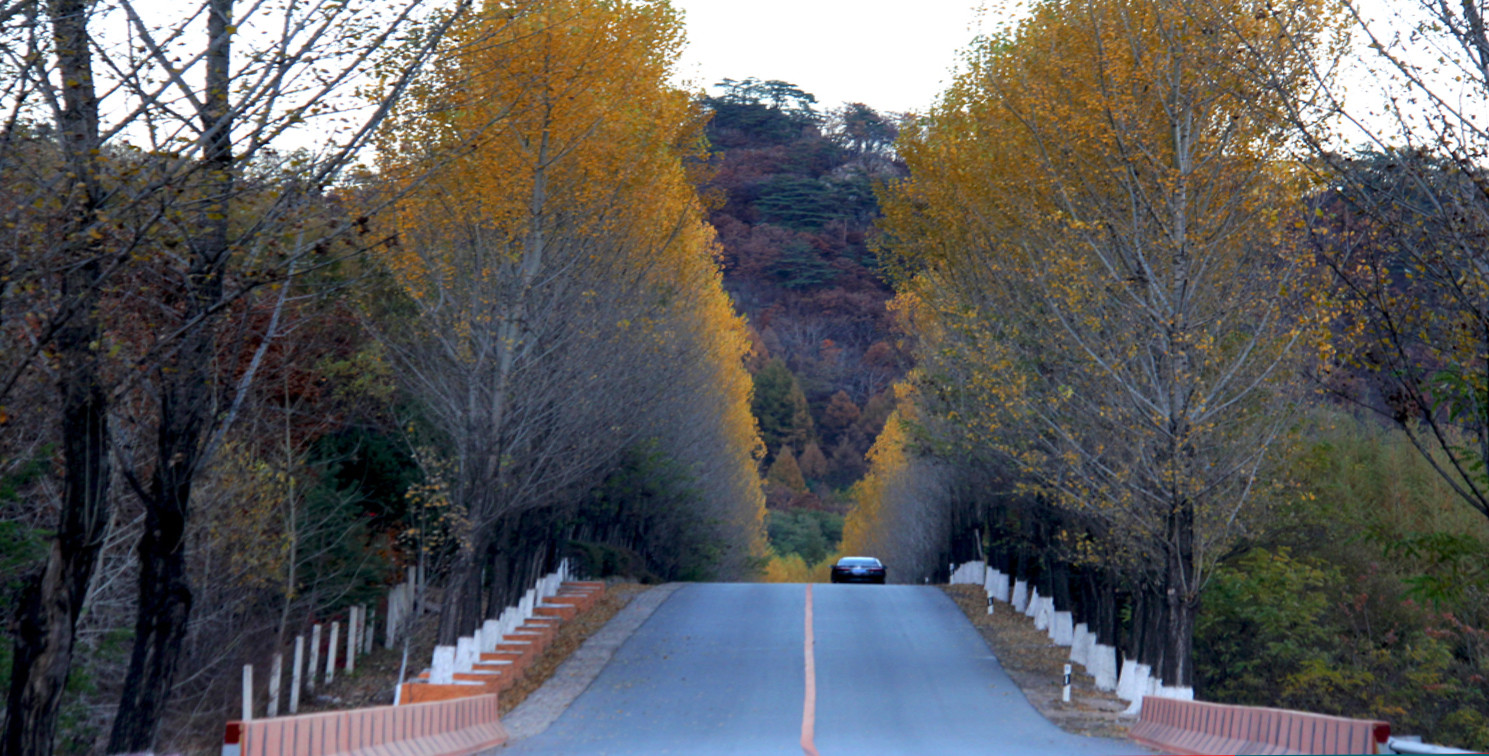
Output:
[[185, 409], [160, 628], [1180, 599], [164, 593], [52, 602], [1151, 652], [1107, 619], [1060, 585], [498, 596], [1134, 648]]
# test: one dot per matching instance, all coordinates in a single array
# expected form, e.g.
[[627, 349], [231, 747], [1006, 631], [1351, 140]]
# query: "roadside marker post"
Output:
[[352, 641], [331, 653], [276, 671], [990, 603], [247, 693], [315, 658], [1065, 693], [296, 679]]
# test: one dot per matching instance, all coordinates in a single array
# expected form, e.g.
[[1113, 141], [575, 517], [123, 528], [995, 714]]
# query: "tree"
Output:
[[862, 130], [813, 462], [841, 412], [780, 407], [558, 230], [149, 181], [784, 471], [1092, 250], [1403, 225]]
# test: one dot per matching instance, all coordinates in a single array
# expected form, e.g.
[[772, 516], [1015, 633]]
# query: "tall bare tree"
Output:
[[148, 189]]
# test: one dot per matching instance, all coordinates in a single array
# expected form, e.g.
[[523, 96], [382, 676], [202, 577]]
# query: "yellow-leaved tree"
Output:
[[1096, 241], [557, 299]]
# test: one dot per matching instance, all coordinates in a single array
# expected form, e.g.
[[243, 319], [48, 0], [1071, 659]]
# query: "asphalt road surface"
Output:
[[783, 669]]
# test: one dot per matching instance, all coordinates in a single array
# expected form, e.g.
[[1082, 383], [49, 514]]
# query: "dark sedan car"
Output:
[[858, 570]]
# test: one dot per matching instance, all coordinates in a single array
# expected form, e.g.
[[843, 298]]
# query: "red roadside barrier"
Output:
[[446, 728], [1199, 727]]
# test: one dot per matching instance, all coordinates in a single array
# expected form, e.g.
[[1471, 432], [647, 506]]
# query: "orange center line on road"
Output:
[[809, 706]]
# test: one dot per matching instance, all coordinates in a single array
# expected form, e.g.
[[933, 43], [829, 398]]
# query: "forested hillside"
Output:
[[793, 199]]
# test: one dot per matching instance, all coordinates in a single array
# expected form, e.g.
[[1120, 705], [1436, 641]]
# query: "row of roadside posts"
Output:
[[996, 586], [360, 625]]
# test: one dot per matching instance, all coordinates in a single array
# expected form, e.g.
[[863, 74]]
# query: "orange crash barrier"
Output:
[[446, 728], [1178, 726]]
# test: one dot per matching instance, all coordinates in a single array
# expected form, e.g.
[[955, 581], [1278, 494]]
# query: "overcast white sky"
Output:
[[892, 55]]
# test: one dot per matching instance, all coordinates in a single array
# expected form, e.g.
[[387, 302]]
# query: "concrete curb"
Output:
[[573, 677]]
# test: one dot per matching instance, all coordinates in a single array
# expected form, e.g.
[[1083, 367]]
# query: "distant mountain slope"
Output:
[[795, 208]]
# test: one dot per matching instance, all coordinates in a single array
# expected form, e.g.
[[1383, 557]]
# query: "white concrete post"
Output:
[[331, 652], [465, 654], [1020, 595], [1080, 649], [491, 634], [315, 658], [1065, 691], [370, 630], [442, 670], [412, 607], [351, 638], [295, 674], [392, 618], [276, 670], [247, 693], [1063, 629]]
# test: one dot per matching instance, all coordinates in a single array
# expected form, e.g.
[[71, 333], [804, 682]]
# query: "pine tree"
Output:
[[813, 462], [784, 471]]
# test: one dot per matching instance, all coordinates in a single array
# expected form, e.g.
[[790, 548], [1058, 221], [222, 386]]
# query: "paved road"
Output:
[[723, 668]]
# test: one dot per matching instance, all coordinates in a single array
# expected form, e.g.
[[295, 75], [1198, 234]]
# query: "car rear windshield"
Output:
[[858, 562]]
